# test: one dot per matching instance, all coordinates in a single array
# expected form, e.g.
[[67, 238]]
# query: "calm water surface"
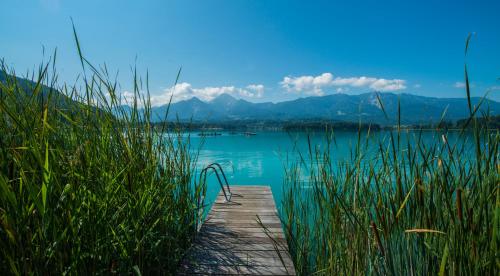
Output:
[[260, 159]]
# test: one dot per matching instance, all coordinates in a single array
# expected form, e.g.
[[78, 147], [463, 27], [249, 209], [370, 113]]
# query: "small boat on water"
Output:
[[204, 134], [249, 133]]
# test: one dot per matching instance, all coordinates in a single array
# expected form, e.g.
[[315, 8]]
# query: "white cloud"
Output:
[[460, 84], [127, 97], [307, 84], [314, 85], [388, 85], [253, 91], [184, 91], [418, 85]]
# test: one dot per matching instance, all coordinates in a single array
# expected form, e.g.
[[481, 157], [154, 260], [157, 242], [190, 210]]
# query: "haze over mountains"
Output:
[[338, 107]]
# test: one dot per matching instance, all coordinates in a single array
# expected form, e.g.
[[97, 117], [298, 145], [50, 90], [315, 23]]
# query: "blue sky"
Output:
[[264, 50]]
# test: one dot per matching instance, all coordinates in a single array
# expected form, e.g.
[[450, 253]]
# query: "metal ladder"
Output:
[[214, 167]]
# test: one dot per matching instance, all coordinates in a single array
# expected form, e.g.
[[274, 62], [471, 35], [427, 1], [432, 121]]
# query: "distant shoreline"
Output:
[[318, 125]]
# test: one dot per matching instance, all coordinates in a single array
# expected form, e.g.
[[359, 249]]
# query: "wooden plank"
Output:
[[249, 187], [265, 219], [244, 204], [239, 244], [245, 201], [236, 230], [252, 200], [245, 207], [249, 197], [244, 224], [243, 238], [237, 270], [230, 220], [231, 241], [242, 218], [227, 212], [225, 236], [235, 196], [241, 258], [245, 193], [237, 206], [245, 253], [248, 209]]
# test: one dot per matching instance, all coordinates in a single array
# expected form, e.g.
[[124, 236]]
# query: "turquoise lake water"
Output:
[[260, 159]]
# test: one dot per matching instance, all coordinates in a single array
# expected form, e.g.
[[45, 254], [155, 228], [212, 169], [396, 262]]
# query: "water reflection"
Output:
[[250, 164]]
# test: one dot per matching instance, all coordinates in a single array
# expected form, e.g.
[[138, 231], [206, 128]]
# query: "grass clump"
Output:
[[87, 186], [400, 206]]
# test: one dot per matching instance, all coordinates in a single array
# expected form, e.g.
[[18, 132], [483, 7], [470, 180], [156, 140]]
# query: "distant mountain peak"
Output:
[[224, 98], [194, 100]]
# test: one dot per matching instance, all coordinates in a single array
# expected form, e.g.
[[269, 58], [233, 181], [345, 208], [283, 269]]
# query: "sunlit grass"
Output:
[[87, 187], [418, 208]]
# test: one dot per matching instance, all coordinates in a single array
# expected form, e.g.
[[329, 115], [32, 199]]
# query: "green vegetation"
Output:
[[328, 125], [268, 125], [416, 209], [490, 122], [82, 192]]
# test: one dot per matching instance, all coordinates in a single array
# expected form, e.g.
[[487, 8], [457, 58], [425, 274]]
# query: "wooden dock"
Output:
[[231, 241]]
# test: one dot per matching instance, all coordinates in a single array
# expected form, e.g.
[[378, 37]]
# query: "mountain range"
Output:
[[336, 107]]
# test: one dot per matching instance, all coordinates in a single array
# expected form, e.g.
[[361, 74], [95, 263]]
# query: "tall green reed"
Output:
[[419, 207], [87, 186]]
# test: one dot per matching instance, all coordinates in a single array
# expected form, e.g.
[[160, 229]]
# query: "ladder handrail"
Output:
[[218, 166], [223, 175]]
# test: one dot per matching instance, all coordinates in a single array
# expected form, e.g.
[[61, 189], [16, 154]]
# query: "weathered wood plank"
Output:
[[244, 193], [221, 235], [245, 253], [235, 206], [253, 200], [229, 212], [221, 258], [243, 220], [237, 230], [231, 241], [243, 216], [242, 209], [237, 270], [234, 196], [208, 240], [239, 244], [245, 206], [244, 224], [250, 187], [248, 209]]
